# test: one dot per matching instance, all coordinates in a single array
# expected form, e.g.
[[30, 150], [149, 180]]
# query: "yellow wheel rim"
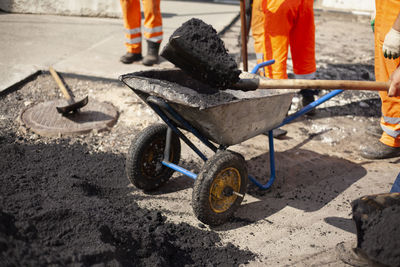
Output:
[[229, 177]]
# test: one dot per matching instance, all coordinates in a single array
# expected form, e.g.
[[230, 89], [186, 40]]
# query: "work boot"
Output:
[[374, 130], [378, 150], [307, 97], [129, 57], [152, 54]]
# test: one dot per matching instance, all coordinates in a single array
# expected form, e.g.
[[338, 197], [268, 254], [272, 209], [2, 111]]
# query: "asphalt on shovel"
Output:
[[72, 105]]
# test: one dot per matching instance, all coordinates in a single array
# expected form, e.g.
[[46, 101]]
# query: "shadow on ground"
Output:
[[307, 183], [342, 223]]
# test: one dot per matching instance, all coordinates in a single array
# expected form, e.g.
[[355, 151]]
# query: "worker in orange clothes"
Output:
[[257, 30], [387, 52], [152, 30], [290, 23], [394, 90]]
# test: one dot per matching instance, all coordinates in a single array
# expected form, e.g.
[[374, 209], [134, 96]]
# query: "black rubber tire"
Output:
[[146, 152], [202, 198]]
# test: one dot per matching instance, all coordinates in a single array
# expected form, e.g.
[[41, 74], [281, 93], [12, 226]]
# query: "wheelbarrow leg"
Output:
[[166, 161], [167, 144], [271, 165]]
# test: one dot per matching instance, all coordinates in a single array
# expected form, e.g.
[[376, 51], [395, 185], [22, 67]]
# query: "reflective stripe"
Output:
[[390, 132], [391, 120], [305, 76], [260, 56], [133, 31], [136, 40], [155, 39], [152, 30]]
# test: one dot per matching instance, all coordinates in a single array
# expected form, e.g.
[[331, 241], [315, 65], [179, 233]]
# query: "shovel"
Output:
[[72, 105], [254, 82], [220, 78], [223, 77]]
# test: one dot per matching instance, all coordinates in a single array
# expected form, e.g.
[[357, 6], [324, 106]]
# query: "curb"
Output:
[[16, 86]]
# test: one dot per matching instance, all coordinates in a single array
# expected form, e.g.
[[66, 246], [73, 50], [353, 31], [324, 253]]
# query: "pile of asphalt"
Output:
[[68, 202], [196, 48], [61, 204], [378, 231]]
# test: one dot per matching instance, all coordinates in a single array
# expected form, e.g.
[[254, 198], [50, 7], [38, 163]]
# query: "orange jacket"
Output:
[[152, 29], [289, 23], [386, 14]]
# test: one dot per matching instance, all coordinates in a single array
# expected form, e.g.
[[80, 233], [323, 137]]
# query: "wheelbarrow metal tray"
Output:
[[226, 117]]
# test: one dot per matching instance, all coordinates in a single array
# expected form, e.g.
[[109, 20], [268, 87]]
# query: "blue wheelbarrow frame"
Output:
[[159, 105]]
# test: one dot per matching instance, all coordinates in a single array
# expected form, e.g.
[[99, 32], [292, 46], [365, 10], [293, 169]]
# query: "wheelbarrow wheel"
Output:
[[146, 152], [219, 188]]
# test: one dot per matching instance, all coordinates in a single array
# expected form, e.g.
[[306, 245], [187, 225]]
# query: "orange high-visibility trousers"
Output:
[[386, 14], [289, 23], [152, 30], [257, 30]]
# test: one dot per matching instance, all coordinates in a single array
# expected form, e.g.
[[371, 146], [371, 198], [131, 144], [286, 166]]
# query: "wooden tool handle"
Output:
[[243, 34], [252, 84], [64, 90]]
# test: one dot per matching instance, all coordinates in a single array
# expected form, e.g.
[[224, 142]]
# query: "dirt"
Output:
[[174, 85], [196, 48], [67, 201], [376, 218], [381, 231], [64, 203]]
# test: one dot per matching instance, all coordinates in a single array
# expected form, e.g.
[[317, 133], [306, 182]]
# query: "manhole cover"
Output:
[[44, 119]]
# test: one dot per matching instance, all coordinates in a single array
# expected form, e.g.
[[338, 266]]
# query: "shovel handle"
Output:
[[252, 84], [61, 85], [243, 31]]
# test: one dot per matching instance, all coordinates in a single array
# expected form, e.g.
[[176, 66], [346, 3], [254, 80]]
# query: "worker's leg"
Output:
[[389, 145], [278, 20], [390, 121], [302, 48], [257, 30], [152, 30], [131, 15], [302, 41]]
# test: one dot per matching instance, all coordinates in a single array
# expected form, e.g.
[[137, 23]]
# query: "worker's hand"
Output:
[[394, 88], [391, 45]]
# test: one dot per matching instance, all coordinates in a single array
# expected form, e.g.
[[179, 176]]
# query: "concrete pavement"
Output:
[[111, 8], [86, 45]]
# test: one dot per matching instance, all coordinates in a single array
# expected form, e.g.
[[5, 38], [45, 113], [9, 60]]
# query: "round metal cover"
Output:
[[44, 119]]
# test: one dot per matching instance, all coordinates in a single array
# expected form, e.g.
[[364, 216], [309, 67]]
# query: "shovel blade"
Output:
[[73, 107]]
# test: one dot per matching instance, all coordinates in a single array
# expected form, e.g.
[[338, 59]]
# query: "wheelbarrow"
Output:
[[219, 120]]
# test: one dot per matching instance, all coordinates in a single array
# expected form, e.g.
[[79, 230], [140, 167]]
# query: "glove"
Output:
[[391, 45]]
